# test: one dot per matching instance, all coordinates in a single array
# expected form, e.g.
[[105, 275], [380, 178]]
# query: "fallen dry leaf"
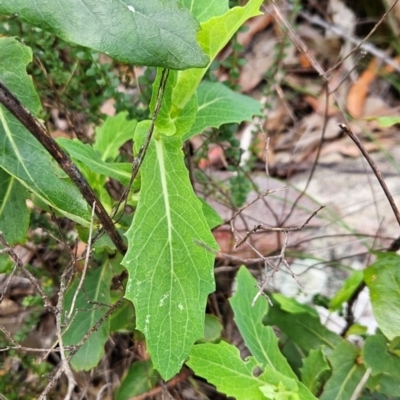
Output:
[[358, 92]]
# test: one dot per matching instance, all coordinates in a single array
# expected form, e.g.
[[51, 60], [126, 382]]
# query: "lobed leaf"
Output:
[[152, 32], [259, 339], [221, 365], [169, 262]]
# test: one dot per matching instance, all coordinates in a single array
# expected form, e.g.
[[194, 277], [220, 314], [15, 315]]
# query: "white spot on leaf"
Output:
[[163, 298], [180, 306], [131, 8]]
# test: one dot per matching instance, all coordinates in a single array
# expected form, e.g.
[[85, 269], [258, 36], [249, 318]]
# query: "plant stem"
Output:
[[13, 105], [374, 168]]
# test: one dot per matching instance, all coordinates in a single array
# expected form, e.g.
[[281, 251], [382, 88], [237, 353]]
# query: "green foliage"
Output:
[[21, 156], [140, 378], [221, 364], [108, 32], [73, 78], [170, 256], [82, 310], [383, 281]]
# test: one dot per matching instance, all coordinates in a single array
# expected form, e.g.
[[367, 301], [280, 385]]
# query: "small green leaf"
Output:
[[141, 377], [170, 267], [383, 281], [314, 370], [90, 158], [377, 357], [96, 288], [346, 291], [113, 134], [292, 306], [21, 155], [14, 215], [357, 329], [217, 105], [153, 32], [346, 373]]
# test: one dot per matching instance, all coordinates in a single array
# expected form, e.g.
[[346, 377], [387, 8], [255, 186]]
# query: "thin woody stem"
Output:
[[374, 168], [9, 101]]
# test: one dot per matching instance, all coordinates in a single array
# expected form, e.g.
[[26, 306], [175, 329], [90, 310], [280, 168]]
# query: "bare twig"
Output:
[[142, 152], [182, 376], [263, 228], [9, 278], [374, 168], [78, 289], [31, 278], [9, 101], [360, 44], [74, 349]]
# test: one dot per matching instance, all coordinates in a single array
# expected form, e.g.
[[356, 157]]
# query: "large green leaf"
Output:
[[170, 271], [88, 156], [152, 32], [21, 155], [113, 134], [383, 281], [346, 372], [91, 304], [222, 366], [217, 105], [14, 215], [203, 11]]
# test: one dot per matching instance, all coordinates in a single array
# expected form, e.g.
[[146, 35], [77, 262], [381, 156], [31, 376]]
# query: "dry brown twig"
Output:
[[374, 168], [18, 262], [78, 289]]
